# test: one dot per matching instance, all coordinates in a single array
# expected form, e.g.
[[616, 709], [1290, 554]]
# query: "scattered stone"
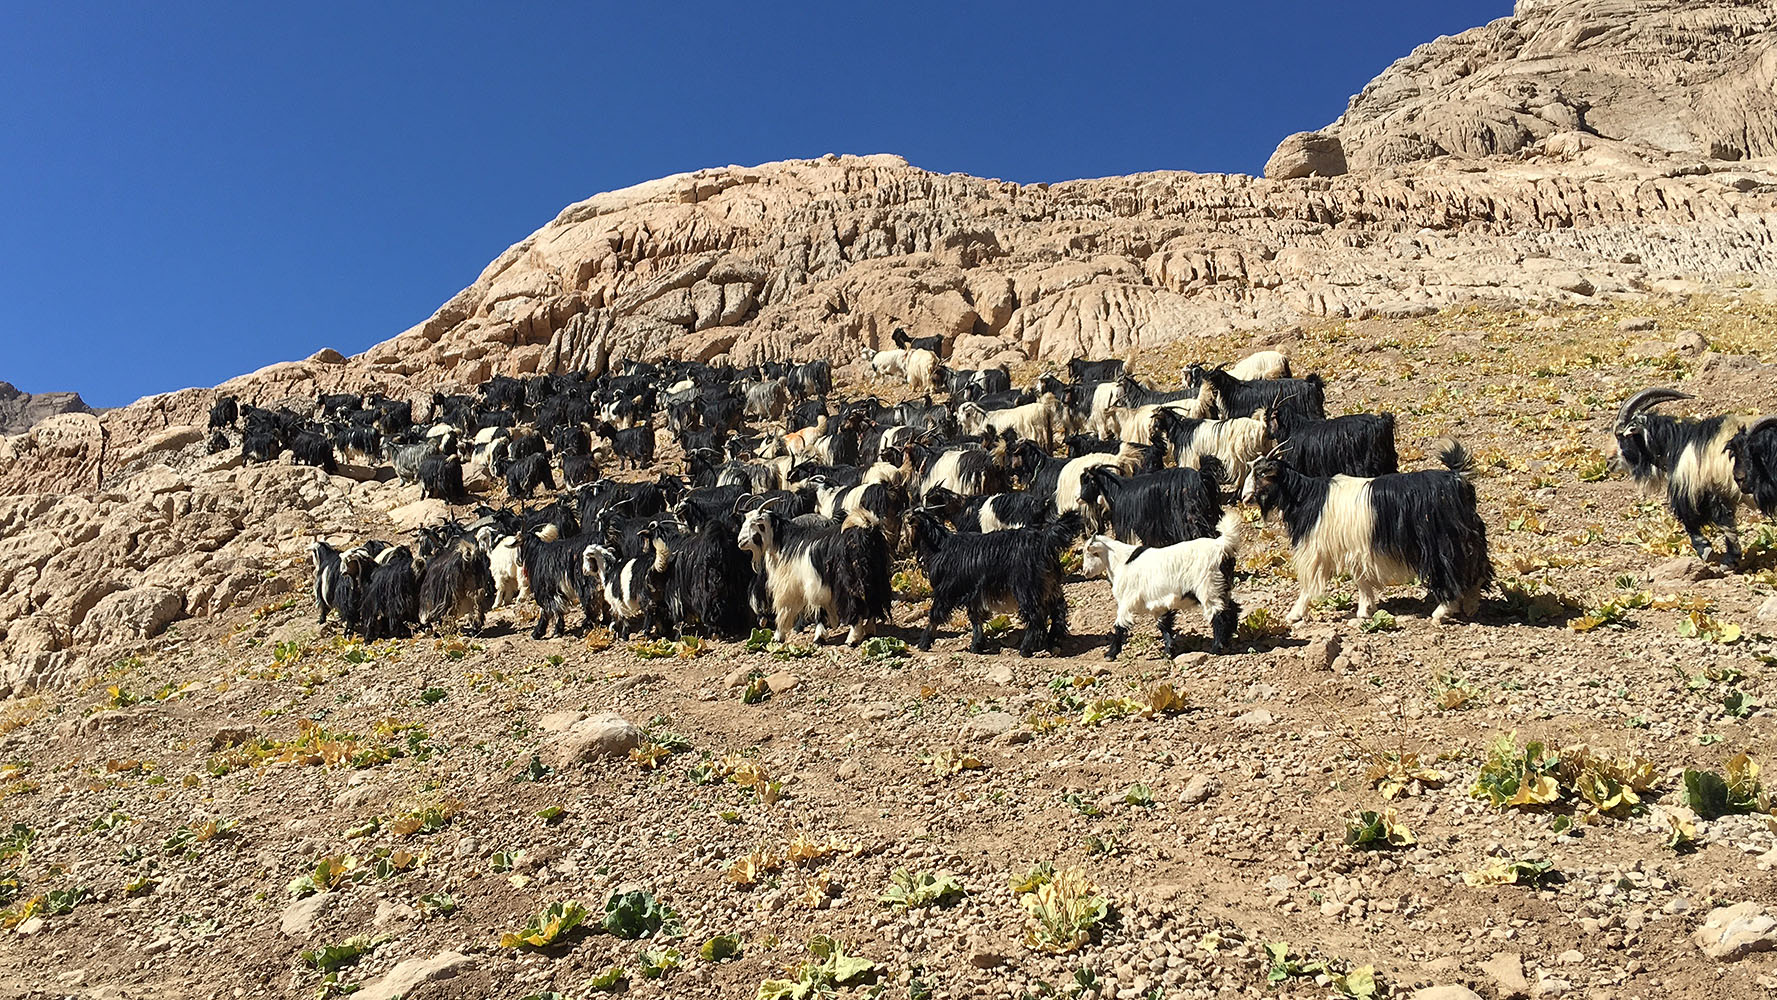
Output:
[[1552, 986], [392, 912], [1322, 652], [782, 682], [1684, 569], [1730, 933], [1767, 611], [985, 954], [404, 978], [1000, 674], [29, 927], [299, 917], [738, 677], [988, 725], [1196, 658], [560, 722], [1445, 993], [1571, 956], [1637, 324], [1690, 343], [1258, 718], [876, 711], [1507, 972], [604, 735], [1199, 788]]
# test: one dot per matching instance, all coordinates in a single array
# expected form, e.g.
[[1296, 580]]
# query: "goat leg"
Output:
[[1119, 635], [1168, 633]]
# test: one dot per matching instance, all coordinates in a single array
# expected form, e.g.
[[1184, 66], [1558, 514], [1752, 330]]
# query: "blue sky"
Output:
[[191, 191]]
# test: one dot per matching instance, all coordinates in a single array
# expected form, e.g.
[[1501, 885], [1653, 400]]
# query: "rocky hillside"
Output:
[[1576, 152], [20, 410]]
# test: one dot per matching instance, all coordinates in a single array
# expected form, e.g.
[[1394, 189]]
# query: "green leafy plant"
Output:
[[1368, 831], [884, 649], [637, 914], [656, 964], [720, 948], [1511, 777], [1711, 795], [1381, 621], [332, 957], [1065, 912], [1512, 871], [553, 924], [909, 891], [1358, 983], [612, 980], [1140, 796], [828, 968]]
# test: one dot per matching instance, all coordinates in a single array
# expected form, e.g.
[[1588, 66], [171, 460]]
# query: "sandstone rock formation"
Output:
[[20, 410], [1686, 77]]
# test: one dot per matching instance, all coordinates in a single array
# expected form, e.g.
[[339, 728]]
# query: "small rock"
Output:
[[737, 677], [1684, 569], [560, 722], [604, 735], [1571, 957], [1000, 674], [1730, 933], [1192, 659], [393, 912], [782, 682], [985, 954], [1690, 342], [30, 927], [1550, 986], [1507, 972], [876, 711], [988, 725], [1258, 718], [404, 978], [1445, 993], [1197, 789], [1637, 324], [1767, 612], [848, 770], [299, 917], [1320, 654]]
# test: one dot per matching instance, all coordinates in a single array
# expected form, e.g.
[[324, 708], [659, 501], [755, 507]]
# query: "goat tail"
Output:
[[1457, 459], [1228, 532]]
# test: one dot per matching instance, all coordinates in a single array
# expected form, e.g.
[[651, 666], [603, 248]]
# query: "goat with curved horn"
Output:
[[1689, 457], [1647, 399]]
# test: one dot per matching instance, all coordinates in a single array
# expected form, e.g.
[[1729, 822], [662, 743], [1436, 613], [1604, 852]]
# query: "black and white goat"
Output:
[[634, 589], [1018, 569], [1159, 582], [389, 585], [836, 572], [1157, 508], [1689, 457], [1233, 442], [552, 568], [1383, 531], [335, 589]]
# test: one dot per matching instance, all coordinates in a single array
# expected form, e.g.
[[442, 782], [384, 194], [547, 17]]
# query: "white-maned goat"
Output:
[[1234, 443], [922, 369], [889, 362], [1161, 582], [1041, 421]]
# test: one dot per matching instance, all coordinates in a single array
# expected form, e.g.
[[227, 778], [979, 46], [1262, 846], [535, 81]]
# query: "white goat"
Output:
[[922, 370], [1039, 421], [889, 362], [1160, 582]]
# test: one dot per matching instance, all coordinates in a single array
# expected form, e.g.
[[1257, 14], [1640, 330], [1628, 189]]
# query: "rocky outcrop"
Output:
[[1306, 154], [20, 410], [1685, 77]]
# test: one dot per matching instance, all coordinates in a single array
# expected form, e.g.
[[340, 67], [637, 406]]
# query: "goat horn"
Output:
[[1760, 424], [1647, 399]]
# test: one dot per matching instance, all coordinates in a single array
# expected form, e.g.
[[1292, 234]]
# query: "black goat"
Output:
[[551, 567], [390, 589], [457, 583], [1754, 452], [1154, 509], [1357, 444], [441, 477], [1085, 372], [1018, 569], [633, 446], [527, 474], [935, 344], [224, 412], [1293, 401]]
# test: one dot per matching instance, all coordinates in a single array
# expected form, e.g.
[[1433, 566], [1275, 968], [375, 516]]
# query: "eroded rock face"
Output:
[[20, 410], [1687, 77], [1306, 154]]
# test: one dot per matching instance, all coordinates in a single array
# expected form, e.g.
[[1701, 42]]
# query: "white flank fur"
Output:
[[1234, 443], [1164, 579], [922, 370], [1343, 541]]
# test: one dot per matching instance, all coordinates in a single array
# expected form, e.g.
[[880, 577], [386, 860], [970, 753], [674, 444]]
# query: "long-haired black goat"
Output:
[[335, 589], [441, 477], [457, 583], [1383, 531], [390, 587], [527, 474], [224, 412], [1018, 569], [1358, 444], [1754, 452], [1690, 458], [1291, 401], [837, 571], [551, 567], [1157, 508], [710, 577]]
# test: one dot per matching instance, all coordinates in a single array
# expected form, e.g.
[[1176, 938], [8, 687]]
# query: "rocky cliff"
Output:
[[19, 410], [1466, 181]]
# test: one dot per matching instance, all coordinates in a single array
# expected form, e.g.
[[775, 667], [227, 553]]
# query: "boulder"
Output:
[[988, 725], [1730, 933], [604, 735], [408, 976], [141, 613], [1306, 154]]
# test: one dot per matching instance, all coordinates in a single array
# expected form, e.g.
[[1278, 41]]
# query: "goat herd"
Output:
[[794, 504]]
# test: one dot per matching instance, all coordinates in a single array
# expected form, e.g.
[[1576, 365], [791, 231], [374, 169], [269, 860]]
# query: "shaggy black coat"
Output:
[[457, 583], [1358, 444], [1018, 567], [1155, 508]]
